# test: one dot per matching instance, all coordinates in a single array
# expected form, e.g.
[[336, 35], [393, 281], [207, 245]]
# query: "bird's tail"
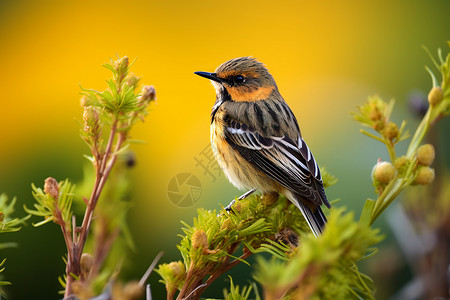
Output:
[[315, 218]]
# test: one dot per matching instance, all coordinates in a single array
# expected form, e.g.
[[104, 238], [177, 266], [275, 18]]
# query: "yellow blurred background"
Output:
[[326, 56]]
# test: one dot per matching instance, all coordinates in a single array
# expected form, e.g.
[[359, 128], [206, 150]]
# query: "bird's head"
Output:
[[243, 78]]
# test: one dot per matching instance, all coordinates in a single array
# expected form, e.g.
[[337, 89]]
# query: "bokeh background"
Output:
[[327, 57]]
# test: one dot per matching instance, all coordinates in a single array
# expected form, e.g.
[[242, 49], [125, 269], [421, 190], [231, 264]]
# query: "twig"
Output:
[[195, 290], [150, 269], [80, 240], [224, 269]]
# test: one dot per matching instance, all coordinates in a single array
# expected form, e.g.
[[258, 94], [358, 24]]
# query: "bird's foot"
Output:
[[228, 208]]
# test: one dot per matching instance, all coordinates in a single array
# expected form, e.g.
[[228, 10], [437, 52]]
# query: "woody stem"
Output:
[[103, 169]]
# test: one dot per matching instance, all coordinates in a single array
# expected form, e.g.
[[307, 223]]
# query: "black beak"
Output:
[[211, 76]]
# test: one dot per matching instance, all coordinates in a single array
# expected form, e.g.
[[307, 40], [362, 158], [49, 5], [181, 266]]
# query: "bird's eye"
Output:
[[239, 79]]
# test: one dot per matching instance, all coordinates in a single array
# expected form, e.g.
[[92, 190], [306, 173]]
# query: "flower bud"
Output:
[[133, 80], [177, 268], [121, 65], [227, 224], [391, 131], [91, 121], [424, 176], [199, 240], [148, 94], [90, 114], [383, 172], [2, 216], [425, 155], [85, 101], [375, 114], [379, 126], [435, 95], [401, 164], [86, 263], [240, 206], [51, 187]]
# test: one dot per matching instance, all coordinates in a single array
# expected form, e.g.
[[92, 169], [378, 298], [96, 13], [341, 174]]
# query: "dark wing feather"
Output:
[[289, 163]]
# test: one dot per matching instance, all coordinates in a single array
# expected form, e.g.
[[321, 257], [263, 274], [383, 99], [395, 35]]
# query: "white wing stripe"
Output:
[[293, 158], [283, 157], [287, 165], [289, 144], [309, 153], [235, 131]]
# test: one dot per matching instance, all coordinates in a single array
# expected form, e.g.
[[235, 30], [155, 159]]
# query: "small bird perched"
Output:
[[257, 142]]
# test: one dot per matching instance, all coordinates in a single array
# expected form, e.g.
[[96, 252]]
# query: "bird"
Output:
[[257, 142]]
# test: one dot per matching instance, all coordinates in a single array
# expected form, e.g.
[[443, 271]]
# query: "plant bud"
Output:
[[383, 172], [435, 95], [85, 101], [401, 164], [177, 268], [91, 120], [379, 126], [51, 187], [425, 155], [199, 240], [90, 115], [86, 263], [391, 131], [133, 80], [375, 114], [121, 65], [2, 216], [424, 176], [240, 206], [227, 224], [148, 94]]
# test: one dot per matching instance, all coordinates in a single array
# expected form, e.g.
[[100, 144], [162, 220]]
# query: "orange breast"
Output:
[[239, 94]]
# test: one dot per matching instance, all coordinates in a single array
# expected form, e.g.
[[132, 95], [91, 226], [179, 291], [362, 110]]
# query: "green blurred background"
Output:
[[326, 56]]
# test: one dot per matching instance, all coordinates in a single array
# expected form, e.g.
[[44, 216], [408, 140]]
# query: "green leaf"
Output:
[[367, 211], [7, 222], [109, 67]]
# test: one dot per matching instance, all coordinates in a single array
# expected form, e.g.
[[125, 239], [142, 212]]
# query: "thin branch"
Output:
[[99, 183], [194, 291], [150, 269], [372, 135], [109, 167], [224, 268], [78, 243]]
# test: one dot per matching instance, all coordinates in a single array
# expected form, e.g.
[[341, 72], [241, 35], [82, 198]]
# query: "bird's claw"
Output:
[[228, 208]]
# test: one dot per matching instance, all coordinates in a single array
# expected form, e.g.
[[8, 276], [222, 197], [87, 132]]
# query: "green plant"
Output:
[[107, 120], [414, 166], [8, 223]]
